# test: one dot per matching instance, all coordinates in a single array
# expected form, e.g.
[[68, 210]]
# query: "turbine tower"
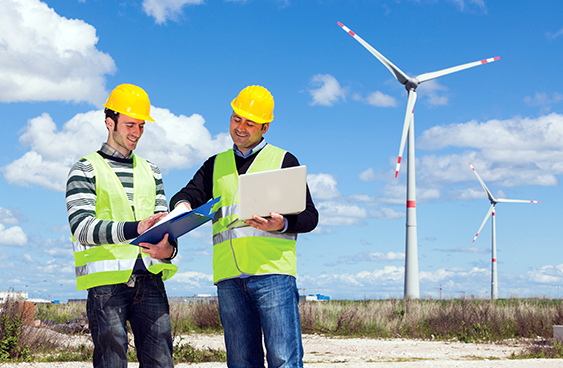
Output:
[[494, 201], [412, 289]]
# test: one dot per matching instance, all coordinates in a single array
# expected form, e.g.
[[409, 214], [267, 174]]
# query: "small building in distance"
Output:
[[314, 297], [196, 298], [14, 295]]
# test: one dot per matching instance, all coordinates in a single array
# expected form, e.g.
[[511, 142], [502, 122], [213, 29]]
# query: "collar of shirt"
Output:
[[249, 152], [109, 150]]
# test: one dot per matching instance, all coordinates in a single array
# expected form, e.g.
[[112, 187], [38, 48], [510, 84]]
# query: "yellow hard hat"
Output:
[[255, 103], [130, 100]]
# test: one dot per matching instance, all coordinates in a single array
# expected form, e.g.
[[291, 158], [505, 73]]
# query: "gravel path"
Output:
[[323, 352]]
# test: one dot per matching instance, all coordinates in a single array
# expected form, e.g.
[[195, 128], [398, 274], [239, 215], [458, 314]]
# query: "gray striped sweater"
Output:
[[81, 200]]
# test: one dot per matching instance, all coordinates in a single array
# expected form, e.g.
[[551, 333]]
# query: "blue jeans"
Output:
[[146, 307], [256, 304]]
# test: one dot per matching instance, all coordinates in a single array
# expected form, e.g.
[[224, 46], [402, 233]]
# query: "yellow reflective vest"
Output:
[[246, 250], [110, 264]]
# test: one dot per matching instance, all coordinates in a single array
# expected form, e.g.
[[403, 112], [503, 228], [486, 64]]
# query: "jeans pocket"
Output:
[[104, 291], [159, 284]]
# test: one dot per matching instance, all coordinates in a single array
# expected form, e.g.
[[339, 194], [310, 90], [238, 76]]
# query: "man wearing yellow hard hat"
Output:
[[254, 267], [112, 196]]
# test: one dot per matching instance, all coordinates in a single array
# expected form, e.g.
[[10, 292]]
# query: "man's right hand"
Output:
[[149, 222]]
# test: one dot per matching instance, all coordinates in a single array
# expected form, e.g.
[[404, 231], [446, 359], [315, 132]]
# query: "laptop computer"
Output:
[[283, 191]]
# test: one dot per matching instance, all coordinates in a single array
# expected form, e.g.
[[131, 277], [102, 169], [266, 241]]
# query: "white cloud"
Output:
[[368, 175], [179, 142], [173, 142], [514, 152], [334, 213], [192, 279], [13, 236], [325, 90], [430, 90], [322, 186], [162, 10], [46, 57], [7, 217], [378, 99]]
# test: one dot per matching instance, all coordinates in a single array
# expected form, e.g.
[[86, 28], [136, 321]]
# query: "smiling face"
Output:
[[125, 136], [246, 134]]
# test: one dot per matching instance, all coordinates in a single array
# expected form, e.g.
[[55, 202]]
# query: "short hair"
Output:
[[113, 115]]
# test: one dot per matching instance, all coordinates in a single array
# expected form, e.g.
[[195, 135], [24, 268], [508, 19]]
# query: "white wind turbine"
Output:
[[412, 289], [494, 201]]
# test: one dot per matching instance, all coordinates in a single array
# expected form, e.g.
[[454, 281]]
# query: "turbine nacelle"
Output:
[[411, 84]]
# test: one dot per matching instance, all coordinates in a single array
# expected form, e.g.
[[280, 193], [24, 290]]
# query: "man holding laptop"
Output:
[[254, 266]]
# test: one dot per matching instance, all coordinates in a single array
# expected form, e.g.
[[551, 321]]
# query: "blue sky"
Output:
[[338, 109]]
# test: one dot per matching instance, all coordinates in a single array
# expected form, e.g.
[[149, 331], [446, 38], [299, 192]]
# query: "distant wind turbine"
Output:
[[494, 201], [412, 289]]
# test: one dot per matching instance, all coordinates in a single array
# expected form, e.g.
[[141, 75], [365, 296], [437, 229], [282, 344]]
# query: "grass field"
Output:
[[474, 320]]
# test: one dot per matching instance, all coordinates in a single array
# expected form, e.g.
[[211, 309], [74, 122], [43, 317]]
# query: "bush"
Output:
[[11, 348]]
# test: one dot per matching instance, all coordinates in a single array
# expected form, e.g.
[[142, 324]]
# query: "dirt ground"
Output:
[[323, 352]]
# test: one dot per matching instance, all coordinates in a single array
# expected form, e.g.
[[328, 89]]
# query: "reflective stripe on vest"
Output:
[[246, 250], [108, 264]]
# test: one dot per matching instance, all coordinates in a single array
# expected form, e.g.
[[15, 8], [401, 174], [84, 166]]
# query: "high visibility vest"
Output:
[[110, 264], [246, 250]]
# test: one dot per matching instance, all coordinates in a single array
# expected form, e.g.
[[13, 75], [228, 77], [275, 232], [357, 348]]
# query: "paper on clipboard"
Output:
[[177, 223]]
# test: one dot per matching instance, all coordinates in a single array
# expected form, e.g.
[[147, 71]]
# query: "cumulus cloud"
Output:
[[162, 10], [430, 91], [325, 90], [13, 236], [513, 152], [388, 281], [192, 279], [378, 99], [335, 213], [547, 274], [46, 57], [173, 142], [322, 186], [8, 217]]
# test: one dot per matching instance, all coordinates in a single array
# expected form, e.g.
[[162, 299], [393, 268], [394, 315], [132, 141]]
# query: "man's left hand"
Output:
[[274, 223], [162, 249]]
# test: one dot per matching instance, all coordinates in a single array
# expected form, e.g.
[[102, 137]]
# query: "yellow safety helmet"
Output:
[[130, 100], [255, 103]]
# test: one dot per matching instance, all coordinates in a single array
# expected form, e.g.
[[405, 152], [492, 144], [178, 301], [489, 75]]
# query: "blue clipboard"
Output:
[[178, 225]]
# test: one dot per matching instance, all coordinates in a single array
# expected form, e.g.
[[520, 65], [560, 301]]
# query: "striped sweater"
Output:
[[81, 200]]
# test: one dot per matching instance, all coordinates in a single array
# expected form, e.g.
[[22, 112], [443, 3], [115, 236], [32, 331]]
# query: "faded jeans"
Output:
[[146, 307], [256, 304]]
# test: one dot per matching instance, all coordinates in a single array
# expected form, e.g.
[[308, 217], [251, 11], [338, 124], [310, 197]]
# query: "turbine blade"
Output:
[[489, 194], [433, 75], [408, 121], [398, 73], [515, 201], [491, 210]]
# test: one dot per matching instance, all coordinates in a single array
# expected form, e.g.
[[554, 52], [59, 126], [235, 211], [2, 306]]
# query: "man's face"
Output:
[[125, 136], [246, 134]]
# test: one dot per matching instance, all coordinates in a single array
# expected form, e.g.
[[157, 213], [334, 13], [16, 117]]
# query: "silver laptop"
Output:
[[283, 191]]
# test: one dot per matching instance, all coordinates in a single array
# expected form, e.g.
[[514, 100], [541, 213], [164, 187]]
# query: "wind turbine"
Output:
[[412, 289], [494, 201]]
